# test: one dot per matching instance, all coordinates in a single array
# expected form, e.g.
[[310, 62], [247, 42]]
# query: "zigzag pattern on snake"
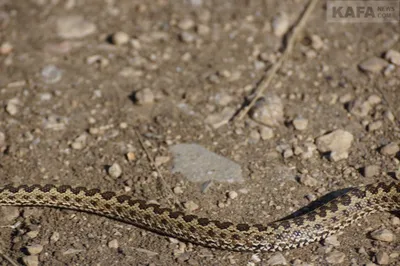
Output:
[[296, 232]]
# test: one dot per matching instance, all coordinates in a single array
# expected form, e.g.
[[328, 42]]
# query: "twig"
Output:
[[267, 77], [161, 178], [7, 258]]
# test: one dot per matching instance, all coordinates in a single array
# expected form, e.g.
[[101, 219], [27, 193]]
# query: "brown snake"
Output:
[[279, 235]]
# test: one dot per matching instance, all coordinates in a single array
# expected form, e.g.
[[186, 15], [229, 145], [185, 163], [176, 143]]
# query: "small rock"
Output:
[[55, 237], [219, 119], [223, 99], [6, 48], [300, 123], [396, 221], [115, 170], [268, 111], [186, 24], [187, 37], [266, 133], [34, 249], [390, 149], [316, 42], [232, 194], [144, 96], [178, 190], [308, 181], [384, 235], [371, 170], [3, 144], [32, 234], [120, 38], [75, 26], [280, 24], [287, 153], [332, 241], [113, 244], [131, 156], [374, 99], [389, 115], [382, 258], [375, 126], [12, 106], [80, 142], [161, 160], [373, 64], [203, 29], [360, 108], [190, 206], [393, 57], [336, 141], [31, 260], [345, 98], [51, 74], [9, 214], [335, 257], [254, 136], [277, 259]]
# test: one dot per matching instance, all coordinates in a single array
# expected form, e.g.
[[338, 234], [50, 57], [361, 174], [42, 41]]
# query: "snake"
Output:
[[295, 232]]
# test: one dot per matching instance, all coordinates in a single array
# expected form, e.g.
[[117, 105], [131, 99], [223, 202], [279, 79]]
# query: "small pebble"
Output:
[[186, 24], [393, 57], [277, 259], [190, 206], [266, 133], [374, 99], [395, 221], [268, 111], [316, 42], [113, 244], [371, 170], [160, 160], [390, 149], [31, 260], [287, 153], [115, 170], [308, 181], [335, 257], [187, 37], [120, 38], [6, 48], [51, 74], [254, 136], [374, 65], [144, 96], [131, 156], [55, 237], [336, 141], [360, 108], [280, 24], [375, 126], [12, 107], [178, 190], [300, 123], [203, 29], [34, 249], [74, 26], [9, 214], [332, 241], [232, 194], [382, 258], [384, 235]]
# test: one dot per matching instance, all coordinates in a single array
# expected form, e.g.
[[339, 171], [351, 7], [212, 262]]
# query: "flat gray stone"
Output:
[[198, 164]]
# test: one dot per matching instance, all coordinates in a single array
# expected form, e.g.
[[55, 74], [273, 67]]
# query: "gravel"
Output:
[[371, 170], [268, 111], [382, 258], [390, 149], [337, 143], [120, 38], [335, 257], [280, 24], [393, 57], [300, 123], [144, 97], [34, 249], [74, 26], [277, 259]]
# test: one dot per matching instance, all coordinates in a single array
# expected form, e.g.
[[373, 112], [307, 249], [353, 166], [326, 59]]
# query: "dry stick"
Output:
[[161, 178], [267, 77], [7, 258]]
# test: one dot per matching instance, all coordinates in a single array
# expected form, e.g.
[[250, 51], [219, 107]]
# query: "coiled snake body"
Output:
[[279, 235]]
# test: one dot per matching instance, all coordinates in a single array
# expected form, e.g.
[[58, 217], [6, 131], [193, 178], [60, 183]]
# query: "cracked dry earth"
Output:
[[90, 90]]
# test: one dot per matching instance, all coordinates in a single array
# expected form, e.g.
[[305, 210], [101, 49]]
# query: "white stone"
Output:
[[336, 141], [115, 170]]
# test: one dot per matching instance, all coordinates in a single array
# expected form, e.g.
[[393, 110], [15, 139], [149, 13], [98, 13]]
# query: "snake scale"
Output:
[[295, 232]]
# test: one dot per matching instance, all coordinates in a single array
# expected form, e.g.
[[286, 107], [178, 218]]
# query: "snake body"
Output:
[[276, 236]]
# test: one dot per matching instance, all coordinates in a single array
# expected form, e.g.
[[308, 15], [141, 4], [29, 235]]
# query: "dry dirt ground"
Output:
[[68, 112]]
